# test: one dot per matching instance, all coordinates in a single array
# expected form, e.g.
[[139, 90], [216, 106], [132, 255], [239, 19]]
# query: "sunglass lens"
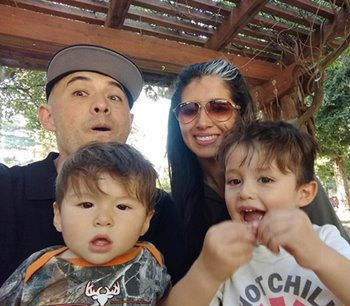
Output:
[[186, 112], [220, 110]]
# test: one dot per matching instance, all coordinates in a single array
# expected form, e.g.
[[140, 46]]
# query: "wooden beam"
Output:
[[234, 23], [96, 6], [166, 8], [312, 7], [280, 27], [278, 86], [18, 59], [117, 11], [82, 12], [292, 16], [203, 5], [134, 26], [33, 32], [285, 81], [337, 29], [268, 46], [170, 23]]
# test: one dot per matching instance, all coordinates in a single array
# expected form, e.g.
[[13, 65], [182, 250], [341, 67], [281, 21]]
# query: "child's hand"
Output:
[[227, 246], [291, 229]]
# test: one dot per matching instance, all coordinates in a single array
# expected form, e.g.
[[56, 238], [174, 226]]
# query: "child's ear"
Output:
[[57, 217], [147, 222], [307, 192]]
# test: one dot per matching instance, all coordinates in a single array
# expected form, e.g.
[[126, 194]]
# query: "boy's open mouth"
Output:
[[250, 215]]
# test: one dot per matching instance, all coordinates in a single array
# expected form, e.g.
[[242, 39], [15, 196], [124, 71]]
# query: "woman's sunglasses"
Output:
[[217, 110]]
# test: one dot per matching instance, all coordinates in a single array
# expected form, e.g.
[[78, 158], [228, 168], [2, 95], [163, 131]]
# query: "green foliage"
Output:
[[163, 180], [325, 172], [155, 92], [333, 119], [21, 92]]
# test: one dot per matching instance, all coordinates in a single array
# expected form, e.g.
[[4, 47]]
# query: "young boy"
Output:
[[269, 175], [105, 196]]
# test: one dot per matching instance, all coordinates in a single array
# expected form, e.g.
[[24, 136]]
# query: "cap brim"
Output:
[[97, 59]]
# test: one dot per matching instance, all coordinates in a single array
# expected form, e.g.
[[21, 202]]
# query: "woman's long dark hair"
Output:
[[186, 177]]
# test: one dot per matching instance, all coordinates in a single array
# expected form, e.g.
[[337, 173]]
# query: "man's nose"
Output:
[[100, 105]]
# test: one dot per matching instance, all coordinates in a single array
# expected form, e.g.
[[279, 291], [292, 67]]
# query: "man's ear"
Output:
[[57, 220], [307, 192], [45, 117], [131, 120]]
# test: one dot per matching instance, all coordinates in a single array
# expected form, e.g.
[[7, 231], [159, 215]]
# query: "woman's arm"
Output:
[[226, 247]]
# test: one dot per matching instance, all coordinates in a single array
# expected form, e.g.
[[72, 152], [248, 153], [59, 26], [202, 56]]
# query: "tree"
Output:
[[21, 92], [333, 123]]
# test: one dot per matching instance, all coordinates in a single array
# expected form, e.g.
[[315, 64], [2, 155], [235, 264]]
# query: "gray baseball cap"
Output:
[[98, 59]]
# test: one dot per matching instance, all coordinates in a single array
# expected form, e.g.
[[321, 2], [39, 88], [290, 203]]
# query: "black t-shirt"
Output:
[[26, 218]]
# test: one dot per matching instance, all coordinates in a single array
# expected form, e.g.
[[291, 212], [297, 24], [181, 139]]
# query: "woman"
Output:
[[207, 100]]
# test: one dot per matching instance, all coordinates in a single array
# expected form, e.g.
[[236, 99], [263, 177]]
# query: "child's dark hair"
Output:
[[120, 161], [292, 149]]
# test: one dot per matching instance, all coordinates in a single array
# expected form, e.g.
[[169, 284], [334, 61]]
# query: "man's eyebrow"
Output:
[[78, 78], [84, 78]]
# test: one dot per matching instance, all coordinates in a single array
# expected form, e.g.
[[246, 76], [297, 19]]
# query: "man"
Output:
[[90, 91]]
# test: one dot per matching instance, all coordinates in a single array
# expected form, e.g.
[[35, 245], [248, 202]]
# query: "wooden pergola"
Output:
[[280, 46]]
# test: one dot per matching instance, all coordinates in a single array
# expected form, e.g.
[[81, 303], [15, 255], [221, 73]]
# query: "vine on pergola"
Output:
[[309, 58]]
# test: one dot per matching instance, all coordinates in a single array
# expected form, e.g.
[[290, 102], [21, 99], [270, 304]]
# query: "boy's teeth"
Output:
[[253, 215]]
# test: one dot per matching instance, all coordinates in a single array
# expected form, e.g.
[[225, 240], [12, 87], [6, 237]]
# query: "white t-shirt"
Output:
[[278, 280]]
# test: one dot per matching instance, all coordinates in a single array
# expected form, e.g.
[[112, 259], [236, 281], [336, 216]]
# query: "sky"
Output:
[[151, 119]]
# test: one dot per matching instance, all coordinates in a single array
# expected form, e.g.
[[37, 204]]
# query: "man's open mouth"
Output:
[[101, 129]]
